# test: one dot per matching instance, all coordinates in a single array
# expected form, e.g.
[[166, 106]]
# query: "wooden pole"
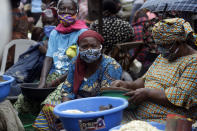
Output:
[[101, 17]]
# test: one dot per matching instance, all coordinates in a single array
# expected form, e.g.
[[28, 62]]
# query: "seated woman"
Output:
[[57, 59], [87, 73], [169, 86]]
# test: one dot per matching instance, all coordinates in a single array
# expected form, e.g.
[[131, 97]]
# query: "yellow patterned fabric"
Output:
[[179, 81], [169, 30], [195, 37]]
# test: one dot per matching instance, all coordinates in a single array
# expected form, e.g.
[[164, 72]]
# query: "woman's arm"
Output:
[[67, 88], [130, 85], [158, 96], [155, 95], [57, 81], [45, 71]]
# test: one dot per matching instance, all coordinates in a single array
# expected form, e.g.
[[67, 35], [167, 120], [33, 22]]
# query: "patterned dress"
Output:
[[108, 71], [57, 49], [179, 81], [114, 31]]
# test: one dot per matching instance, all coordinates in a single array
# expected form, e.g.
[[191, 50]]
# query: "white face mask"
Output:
[[90, 55]]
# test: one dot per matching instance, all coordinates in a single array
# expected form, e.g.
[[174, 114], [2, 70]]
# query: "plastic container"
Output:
[[30, 91], [115, 93], [5, 86], [178, 122], [159, 126], [120, 94], [95, 120]]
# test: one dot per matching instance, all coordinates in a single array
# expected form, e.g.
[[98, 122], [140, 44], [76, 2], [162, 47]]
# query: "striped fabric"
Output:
[[46, 120]]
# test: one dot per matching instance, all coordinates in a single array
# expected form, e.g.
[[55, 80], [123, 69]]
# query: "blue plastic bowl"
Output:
[[95, 120], [5, 87], [159, 126]]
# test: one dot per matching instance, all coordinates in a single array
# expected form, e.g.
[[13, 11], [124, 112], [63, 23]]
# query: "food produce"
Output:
[[137, 125], [73, 111]]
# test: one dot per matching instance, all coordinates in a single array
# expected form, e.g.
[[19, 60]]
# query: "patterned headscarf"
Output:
[[90, 33], [169, 30]]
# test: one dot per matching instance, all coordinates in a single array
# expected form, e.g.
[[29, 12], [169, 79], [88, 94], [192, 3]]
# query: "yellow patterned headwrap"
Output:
[[169, 30]]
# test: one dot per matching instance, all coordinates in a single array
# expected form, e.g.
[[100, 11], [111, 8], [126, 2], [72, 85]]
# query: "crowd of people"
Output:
[[74, 56]]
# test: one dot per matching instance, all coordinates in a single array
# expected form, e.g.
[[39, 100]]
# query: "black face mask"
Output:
[[167, 53], [172, 56]]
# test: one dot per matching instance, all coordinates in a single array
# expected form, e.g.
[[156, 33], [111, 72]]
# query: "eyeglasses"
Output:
[[66, 11], [86, 48]]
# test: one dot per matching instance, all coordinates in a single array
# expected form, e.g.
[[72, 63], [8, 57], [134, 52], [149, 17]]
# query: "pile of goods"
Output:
[[101, 108], [137, 125]]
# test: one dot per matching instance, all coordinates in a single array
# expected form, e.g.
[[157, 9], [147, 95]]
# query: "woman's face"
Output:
[[67, 7], [89, 43], [47, 3], [169, 51], [90, 49], [49, 18]]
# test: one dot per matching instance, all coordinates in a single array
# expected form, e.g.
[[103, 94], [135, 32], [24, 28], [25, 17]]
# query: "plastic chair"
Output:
[[21, 45]]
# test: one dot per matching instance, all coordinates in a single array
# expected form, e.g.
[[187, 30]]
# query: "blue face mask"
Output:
[[48, 29], [90, 55]]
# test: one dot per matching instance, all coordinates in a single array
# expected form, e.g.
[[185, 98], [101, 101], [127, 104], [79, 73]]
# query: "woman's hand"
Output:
[[64, 99], [42, 85], [138, 96], [119, 84]]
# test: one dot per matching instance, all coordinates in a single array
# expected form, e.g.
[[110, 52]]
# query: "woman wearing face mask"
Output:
[[61, 39], [169, 86], [88, 73]]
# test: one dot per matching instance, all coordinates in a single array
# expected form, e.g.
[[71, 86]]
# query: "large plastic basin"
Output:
[[95, 120], [5, 86]]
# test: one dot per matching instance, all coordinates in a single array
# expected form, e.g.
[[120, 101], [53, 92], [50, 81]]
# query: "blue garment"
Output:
[[57, 46], [48, 29], [26, 69], [36, 6], [108, 71]]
